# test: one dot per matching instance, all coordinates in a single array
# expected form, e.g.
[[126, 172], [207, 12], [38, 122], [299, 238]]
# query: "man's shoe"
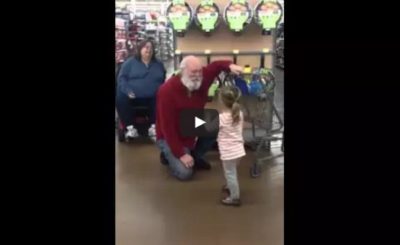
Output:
[[131, 132], [201, 164], [152, 133], [163, 159]]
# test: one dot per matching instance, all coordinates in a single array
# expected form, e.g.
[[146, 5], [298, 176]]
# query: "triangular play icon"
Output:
[[198, 122]]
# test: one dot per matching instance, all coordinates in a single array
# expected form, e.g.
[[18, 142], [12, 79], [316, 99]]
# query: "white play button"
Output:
[[198, 122]]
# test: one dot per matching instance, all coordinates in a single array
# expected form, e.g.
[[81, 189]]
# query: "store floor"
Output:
[[154, 208]]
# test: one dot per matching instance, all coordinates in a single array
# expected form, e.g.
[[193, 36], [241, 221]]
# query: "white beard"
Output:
[[191, 85]]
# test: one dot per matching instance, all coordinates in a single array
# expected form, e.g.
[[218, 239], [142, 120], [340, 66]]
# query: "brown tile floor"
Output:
[[154, 208]]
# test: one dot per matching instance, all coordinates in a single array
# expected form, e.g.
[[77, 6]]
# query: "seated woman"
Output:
[[138, 81]]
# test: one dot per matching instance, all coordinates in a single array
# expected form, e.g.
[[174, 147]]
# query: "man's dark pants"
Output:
[[176, 167]]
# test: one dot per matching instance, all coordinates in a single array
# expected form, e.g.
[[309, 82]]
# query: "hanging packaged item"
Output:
[[121, 52], [207, 16], [213, 89], [255, 87], [267, 14], [247, 73], [242, 85], [268, 79], [180, 15], [119, 23], [238, 14]]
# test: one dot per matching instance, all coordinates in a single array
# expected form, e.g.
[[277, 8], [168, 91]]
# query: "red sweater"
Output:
[[172, 97]]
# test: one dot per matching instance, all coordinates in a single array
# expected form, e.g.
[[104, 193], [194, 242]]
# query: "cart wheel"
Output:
[[121, 135], [255, 171]]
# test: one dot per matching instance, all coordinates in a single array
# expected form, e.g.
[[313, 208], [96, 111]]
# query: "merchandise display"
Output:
[[165, 39], [257, 83], [280, 44], [207, 16], [165, 21], [180, 15], [238, 14], [267, 14], [121, 51], [141, 24], [262, 82], [213, 90]]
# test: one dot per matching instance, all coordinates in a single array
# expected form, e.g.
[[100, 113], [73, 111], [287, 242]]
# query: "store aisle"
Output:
[[154, 208]]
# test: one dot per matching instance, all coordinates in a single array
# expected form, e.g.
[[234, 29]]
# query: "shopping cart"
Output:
[[260, 111]]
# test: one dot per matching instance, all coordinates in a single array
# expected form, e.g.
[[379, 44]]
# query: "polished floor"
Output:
[[154, 208]]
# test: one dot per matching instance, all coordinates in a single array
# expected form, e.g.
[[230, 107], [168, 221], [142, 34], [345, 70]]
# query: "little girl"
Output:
[[230, 141]]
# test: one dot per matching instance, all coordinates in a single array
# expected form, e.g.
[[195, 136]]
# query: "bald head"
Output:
[[190, 62], [191, 69]]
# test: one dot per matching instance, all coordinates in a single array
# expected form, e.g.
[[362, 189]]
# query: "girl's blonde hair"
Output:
[[230, 98]]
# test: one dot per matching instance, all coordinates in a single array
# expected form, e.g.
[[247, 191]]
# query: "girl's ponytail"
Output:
[[230, 97], [235, 112]]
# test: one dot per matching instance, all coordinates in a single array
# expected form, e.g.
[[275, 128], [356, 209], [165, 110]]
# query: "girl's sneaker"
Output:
[[231, 202]]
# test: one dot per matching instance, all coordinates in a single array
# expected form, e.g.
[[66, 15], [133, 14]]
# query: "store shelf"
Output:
[[139, 27]]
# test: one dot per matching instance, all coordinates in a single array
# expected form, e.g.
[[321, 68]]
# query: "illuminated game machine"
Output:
[[238, 14], [207, 16], [267, 15], [180, 15]]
